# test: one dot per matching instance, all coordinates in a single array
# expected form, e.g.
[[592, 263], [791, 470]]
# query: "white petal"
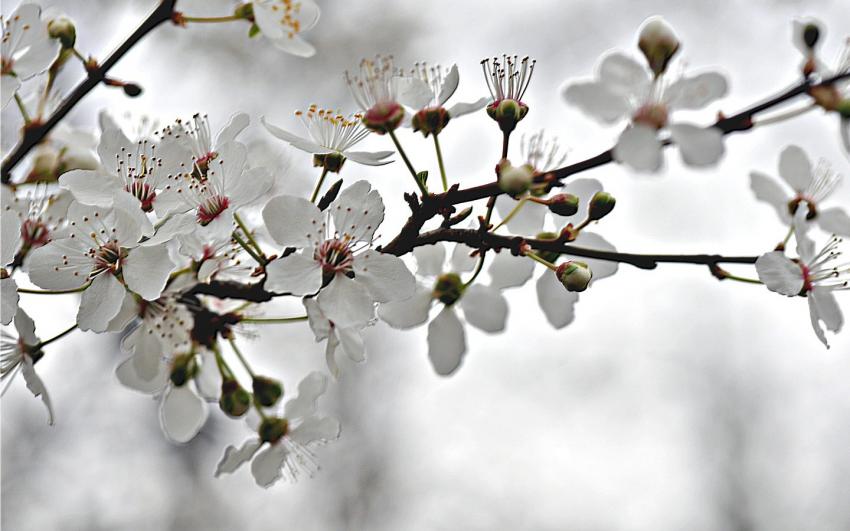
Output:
[[208, 379], [128, 375], [696, 92], [36, 386], [293, 221], [485, 308], [46, 270], [509, 271], [346, 302], [37, 58], [25, 327], [446, 342], [358, 211], [779, 273], [147, 269], [413, 92], [267, 466], [319, 324], [251, 187], [377, 158], [267, 18], [528, 221], [90, 187], [147, 349], [844, 131], [129, 310], [301, 143], [461, 261], [640, 148], [824, 308], [601, 268], [9, 299], [330, 355], [100, 303], [625, 76], [796, 168], [769, 191], [8, 86], [430, 259], [352, 343], [175, 225], [10, 236], [234, 457], [295, 45], [315, 429], [297, 273], [557, 303], [834, 220], [409, 312], [237, 123], [450, 83], [385, 276], [699, 146], [308, 14], [598, 101], [182, 414], [459, 109], [305, 402]]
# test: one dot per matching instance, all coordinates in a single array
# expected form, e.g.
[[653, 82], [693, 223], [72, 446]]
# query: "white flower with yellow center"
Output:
[[283, 21], [26, 50]]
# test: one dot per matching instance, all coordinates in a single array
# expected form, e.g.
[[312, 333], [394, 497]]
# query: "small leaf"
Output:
[[422, 177], [330, 195], [254, 31]]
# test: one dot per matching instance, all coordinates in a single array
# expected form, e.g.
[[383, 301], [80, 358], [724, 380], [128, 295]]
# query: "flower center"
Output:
[[807, 278], [652, 115], [108, 259], [34, 233], [6, 66], [797, 201], [211, 207], [142, 191], [202, 165], [334, 256]]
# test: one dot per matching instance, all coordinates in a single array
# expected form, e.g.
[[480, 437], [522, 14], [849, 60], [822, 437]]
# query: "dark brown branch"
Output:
[[36, 132]]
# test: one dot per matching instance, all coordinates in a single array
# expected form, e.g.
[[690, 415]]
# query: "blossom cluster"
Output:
[[174, 237]]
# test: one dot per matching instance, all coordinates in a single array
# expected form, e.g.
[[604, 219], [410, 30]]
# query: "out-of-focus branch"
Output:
[[34, 133]]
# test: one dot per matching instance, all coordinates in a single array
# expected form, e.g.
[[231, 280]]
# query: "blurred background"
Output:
[[674, 401]]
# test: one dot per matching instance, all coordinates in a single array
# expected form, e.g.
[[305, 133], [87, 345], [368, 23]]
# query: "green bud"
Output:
[[183, 368], [272, 429], [448, 288], [658, 43], [549, 256], [330, 161], [235, 400], [245, 11], [266, 390], [574, 275], [514, 179], [811, 35], [563, 204], [601, 205], [63, 29]]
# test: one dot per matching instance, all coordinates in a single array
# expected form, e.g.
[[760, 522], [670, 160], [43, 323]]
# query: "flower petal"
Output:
[[699, 146], [485, 308], [36, 386], [557, 303], [796, 168], [46, 265], [8, 86], [377, 158], [779, 273], [297, 273], [305, 403], [8, 299], [182, 413], [249, 188], [459, 109], [385, 276], [357, 212], [450, 83], [293, 221], [430, 259], [267, 466], [824, 308], [346, 302], [128, 375], [409, 312], [834, 220], [100, 303], [446, 342], [295, 45], [528, 221], [625, 76], [509, 271], [234, 457], [146, 270], [315, 429], [319, 324], [10, 236], [639, 147], [237, 123], [695, 92], [461, 260], [90, 187], [301, 143], [601, 268], [413, 92], [597, 100], [769, 191], [352, 343]]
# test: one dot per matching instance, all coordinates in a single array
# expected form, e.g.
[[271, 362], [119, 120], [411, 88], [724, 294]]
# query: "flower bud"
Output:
[[549, 256], [266, 390], [507, 113], [601, 205], [574, 275], [383, 117], [235, 400], [514, 179], [329, 161], [811, 35], [563, 204], [431, 120], [63, 29], [183, 368], [448, 289], [272, 429], [245, 11], [569, 233], [658, 43]]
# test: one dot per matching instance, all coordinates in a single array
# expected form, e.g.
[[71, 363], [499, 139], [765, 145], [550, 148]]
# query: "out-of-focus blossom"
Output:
[[20, 354], [26, 50]]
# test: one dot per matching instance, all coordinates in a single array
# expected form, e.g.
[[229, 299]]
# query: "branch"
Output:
[[36, 132]]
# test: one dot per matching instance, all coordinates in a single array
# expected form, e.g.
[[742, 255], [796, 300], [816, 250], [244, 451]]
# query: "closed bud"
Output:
[[245, 11], [132, 89], [549, 256], [448, 288], [235, 400], [430, 121], [507, 113], [272, 429], [574, 275], [811, 35], [514, 179], [383, 117], [658, 43], [329, 161], [266, 390], [183, 368], [63, 29], [563, 204], [601, 205]]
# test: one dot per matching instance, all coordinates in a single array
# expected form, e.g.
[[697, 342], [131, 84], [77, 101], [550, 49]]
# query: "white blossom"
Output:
[[26, 50], [430, 87], [283, 21], [337, 263], [20, 354], [349, 339]]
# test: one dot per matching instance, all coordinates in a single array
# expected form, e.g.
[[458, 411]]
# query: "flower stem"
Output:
[[541, 260], [240, 356], [248, 248], [512, 213], [23, 109], [274, 320], [477, 271], [223, 367], [319, 184], [407, 162], [57, 337], [440, 162], [210, 20], [251, 240], [55, 291]]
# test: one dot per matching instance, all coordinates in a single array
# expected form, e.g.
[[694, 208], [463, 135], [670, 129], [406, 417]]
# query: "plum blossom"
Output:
[[26, 50], [376, 91], [815, 275], [283, 21], [103, 257], [339, 264], [196, 136], [289, 440], [483, 307], [349, 339], [809, 185], [625, 89], [20, 354], [331, 133]]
